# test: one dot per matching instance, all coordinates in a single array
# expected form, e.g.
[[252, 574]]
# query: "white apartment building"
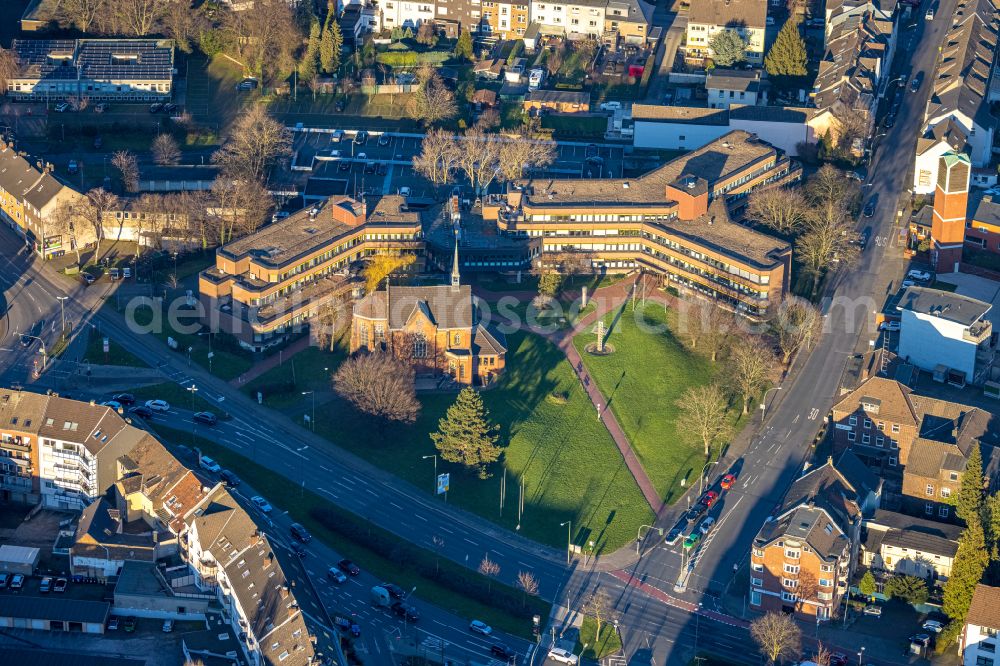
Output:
[[941, 330], [979, 636]]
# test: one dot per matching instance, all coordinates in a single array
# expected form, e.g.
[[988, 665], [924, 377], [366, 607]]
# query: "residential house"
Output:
[[95, 69], [946, 333], [504, 20], [20, 415], [437, 328], [899, 544], [628, 20], [837, 12], [852, 76], [558, 101], [982, 226], [490, 70], [358, 20], [706, 18], [104, 542], [978, 642], [960, 88], [802, 558], [733, 86], [679, 221], [938, 459], [270, 283], [948, 136]]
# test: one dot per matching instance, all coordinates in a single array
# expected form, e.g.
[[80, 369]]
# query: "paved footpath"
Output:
[[271, 362]]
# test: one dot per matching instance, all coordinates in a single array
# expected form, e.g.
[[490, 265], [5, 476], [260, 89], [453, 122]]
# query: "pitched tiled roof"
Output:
[[897, 529], [488, 341], [892, 398], [444, 307], [984, 611], [17, 174], [962, 78], [735, 13], [44, 191], [985, 208], [849, 72], [99, 534]]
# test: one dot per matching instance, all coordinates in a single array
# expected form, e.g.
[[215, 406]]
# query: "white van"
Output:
[[209, 465], [535, 79], [611, 106]]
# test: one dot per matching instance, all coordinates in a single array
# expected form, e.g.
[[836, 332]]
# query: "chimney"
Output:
[[284, 591]]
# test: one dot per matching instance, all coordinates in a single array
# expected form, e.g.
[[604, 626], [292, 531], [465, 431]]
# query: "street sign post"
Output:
[[443, 480]]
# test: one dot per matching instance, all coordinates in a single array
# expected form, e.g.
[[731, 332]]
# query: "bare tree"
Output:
[[138, 16], [180, 23], [378, 385], [777, 635], [66, 220], [256, 141], [265, 37], [330, 321], [750, 362], [520, 153], [706, 326], [490, 569], [796, 323], [433, 101], [79, 13], [527, 582], [824, 243], [850, 126], [128, 170], [240, 207], [165, 150], [704, 410], [830, 187], [479, 158], [822, 656], [778, 208], [598, 606], [439, 156], [95, 208]]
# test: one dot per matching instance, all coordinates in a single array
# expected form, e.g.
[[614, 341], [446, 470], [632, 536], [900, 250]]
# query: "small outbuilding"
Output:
[[18, 559]]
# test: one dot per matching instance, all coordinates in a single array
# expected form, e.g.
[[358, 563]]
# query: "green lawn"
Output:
[[575, 125], [571, 467], [607, 644], [309, 370], [643, 379], [224, 363], [395, 566], [116, 355]]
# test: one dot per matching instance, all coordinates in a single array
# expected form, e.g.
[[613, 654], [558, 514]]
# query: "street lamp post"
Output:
[[763, 401], [62, 311], [860, 655], [701, 479], [312, 419], [569, 537], [434, 485]]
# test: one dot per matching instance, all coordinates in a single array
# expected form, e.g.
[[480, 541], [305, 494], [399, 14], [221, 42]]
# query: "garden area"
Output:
[[550, 436], [645, 401], [309, 370]]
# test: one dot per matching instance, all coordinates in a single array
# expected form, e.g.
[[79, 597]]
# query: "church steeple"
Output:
[[455, 277]]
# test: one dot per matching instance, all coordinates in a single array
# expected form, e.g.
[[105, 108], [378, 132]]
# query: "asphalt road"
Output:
[[654, 630]]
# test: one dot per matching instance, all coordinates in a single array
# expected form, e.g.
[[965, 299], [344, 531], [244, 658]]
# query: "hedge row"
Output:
[[424, 563], [412, 59]]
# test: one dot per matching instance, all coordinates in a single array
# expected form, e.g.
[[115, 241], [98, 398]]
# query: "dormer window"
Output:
[[870, 407]]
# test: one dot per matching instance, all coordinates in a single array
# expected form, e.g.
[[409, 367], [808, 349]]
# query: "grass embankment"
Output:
[[607, 644], [643, 380], [441, 581]]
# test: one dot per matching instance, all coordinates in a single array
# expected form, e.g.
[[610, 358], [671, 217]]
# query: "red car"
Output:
[[728, 481], [708, 499]]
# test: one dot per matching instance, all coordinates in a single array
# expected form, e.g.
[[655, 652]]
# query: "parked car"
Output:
[[168, 626], [873, 611], [4, 579], [708, 499], [891, 326], [261, 503], [229, 478], [611, 106], [362, 157], [929, 14], [864, 237], [727, 481], [124, 398], [344, 165], [155, 107], [17, 581], [158, 405], [870, 206], [361, 138], [383, 168], [565, 656], [405, 611], [917, 80], [695, 512], [692, 540], [890, 120], [336, 575], [73, 166], [932, 626], [336, 136], [169, 107], [60, 585], [300, 533], [480, 627], [209, 465], [706, 525], [142, 412], [113, 404], [62, 107], [371, 167], [248, 83], [349, 567], [207, 418], [113, 623], [384, 139], [404, 191], [921, 639], [88, 278], [919, 276], [502, 651], [46, 585], [129, 624]]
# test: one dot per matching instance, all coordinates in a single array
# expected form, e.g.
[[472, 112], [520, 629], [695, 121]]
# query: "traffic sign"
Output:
[[443, 480]]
